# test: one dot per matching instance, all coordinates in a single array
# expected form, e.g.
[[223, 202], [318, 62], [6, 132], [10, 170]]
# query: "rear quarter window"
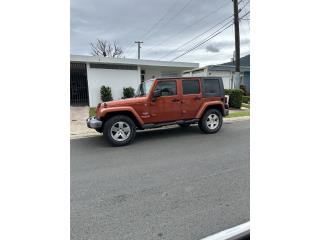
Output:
[[211, 86]]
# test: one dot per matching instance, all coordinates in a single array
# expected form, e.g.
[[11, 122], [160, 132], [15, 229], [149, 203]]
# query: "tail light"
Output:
[[226, 99]]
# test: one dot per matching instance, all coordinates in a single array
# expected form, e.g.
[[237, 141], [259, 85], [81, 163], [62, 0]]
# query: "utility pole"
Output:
[[237, 44], [139, 42]]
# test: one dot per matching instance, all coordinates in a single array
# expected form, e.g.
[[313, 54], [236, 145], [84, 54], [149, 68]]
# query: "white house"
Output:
[[226, 71], [89, 73]]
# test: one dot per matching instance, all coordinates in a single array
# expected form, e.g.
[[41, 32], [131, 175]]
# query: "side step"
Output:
[[157, 125]]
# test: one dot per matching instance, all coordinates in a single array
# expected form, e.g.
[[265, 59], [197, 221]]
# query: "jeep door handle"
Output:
[[197, 98], [175, 100]]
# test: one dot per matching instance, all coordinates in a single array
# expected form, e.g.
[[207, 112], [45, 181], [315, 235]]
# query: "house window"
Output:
[[113, 66], [168, 74]]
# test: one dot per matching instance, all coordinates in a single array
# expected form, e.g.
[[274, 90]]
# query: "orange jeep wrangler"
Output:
[[160, 102]]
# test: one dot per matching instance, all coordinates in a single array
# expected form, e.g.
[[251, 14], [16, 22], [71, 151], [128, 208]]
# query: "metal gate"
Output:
[[79, 95]]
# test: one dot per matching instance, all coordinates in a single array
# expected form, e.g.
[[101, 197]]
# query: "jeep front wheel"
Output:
[[119, 130], [211, 121]]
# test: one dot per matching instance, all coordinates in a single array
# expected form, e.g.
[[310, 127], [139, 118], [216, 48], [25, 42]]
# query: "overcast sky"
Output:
[[168, 28]]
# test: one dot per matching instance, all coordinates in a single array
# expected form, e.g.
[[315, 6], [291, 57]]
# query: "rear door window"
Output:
[[190, 87]]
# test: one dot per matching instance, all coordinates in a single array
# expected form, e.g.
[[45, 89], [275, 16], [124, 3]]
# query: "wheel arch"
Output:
[[215, 105], [127, 113]]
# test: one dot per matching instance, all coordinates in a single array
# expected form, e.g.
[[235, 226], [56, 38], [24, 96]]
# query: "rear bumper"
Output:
[[92, 122]]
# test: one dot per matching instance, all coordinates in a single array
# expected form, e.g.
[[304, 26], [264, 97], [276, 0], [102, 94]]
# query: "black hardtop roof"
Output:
[[207, 77]]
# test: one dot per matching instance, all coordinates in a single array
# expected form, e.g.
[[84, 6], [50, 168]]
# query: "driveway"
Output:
[[169, 184], [78, 126]]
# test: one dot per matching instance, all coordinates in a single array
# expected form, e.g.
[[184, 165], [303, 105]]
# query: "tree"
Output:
[[107, 49]]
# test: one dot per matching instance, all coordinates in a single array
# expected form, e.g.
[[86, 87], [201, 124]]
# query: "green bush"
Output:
[[235, 97], [246, 99], [105, 94], [128, 92], [244, 89]]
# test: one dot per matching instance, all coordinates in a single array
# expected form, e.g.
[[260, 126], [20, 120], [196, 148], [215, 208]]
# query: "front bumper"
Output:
[[92, 122]]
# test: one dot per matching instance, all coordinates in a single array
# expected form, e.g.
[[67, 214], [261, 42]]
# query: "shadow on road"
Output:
[[166, 132], [145, 136]]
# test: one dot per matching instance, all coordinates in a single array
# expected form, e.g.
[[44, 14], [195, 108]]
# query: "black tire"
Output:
[[184, 125], [215, 125], [126, 139]]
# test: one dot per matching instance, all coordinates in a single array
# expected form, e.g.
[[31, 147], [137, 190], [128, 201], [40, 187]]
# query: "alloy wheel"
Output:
[[120, 131], [212, 121]]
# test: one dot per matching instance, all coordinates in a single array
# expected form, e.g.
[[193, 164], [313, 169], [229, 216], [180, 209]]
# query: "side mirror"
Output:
[[156, 93]]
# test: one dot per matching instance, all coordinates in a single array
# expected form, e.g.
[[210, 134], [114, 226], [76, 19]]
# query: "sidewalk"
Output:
[[78, 126]]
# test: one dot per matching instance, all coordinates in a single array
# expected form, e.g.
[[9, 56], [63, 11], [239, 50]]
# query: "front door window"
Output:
[[167, 88]]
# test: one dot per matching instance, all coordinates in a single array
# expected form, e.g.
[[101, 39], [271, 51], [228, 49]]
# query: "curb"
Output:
[[235, 119], [84, 135]]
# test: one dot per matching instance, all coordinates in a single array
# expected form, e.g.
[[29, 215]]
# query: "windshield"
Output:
[[144, 88]]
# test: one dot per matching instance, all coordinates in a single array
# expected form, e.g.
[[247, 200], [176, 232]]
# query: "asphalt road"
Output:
[[169, 184]]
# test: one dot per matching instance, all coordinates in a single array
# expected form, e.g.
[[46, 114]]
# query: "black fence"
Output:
[[79, 95]]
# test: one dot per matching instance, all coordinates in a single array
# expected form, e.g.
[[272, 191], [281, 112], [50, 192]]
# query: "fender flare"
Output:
[[107, 110], [209, 104]]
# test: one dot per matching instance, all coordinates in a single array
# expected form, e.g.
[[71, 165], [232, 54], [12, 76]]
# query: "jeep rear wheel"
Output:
[[119, 130], [211, 121]]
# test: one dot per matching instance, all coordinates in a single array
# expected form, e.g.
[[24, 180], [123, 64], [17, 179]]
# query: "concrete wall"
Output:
[[114, 78]]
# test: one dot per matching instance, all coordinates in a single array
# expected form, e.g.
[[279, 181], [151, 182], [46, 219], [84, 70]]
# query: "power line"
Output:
[[199, 35], [173, 17], [216, 33], [155, 24], [160, 20], [167, 22], [219, 31], [244, 7], [188, 26]]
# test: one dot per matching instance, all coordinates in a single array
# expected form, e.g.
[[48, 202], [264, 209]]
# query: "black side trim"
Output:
[[157, 125]]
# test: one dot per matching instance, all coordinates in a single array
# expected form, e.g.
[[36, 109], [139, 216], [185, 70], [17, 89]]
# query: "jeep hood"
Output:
[[126, 102]]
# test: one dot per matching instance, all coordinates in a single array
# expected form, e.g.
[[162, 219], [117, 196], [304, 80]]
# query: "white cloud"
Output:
[[128, 20]]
